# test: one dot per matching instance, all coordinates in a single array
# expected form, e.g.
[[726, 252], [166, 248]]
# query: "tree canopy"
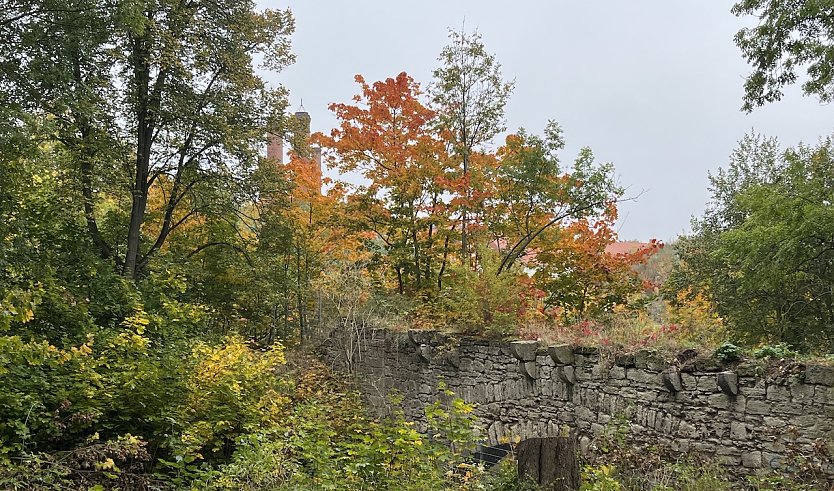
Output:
[[144, 95], [471, 94], [764, 249], [791, 36]]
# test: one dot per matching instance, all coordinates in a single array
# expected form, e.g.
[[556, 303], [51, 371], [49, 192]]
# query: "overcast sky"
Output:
[[653, 86]]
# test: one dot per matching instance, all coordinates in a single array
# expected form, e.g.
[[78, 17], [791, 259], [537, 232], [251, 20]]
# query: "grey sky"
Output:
[[652, 86]]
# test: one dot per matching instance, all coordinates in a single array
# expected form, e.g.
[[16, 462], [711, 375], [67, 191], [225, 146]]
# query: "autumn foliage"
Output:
[[536, 229], [400, 209]]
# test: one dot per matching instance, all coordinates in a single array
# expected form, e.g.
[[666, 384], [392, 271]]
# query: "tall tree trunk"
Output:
[[89, 206], [302, 321], [400, 286], [464, 239], [137, 216], [144, 136], [86, 163], [445, 259], [417, 271], [429, 251]]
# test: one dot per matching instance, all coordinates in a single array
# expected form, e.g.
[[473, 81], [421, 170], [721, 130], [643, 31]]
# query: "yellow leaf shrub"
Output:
[[233, 389]]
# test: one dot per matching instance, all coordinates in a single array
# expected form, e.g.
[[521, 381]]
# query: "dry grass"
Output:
[[625, 332]]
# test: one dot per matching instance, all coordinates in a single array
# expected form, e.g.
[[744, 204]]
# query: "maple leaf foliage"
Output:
[[580, 276], [388, 137]]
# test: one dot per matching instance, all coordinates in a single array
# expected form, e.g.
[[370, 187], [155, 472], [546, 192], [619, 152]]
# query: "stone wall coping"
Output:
[[564, 354]]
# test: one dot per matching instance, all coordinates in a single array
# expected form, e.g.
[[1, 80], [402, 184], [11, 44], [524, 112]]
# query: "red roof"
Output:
[[625, 247]]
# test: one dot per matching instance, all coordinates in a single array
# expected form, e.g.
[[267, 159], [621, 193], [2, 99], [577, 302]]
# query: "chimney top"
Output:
[[300, 109], [304, 120]]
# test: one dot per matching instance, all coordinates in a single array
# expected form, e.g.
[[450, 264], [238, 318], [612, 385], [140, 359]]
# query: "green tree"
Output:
[[531, 191], [144, 93], [46, 256], [790, 36], [470, 94], [764, 249]]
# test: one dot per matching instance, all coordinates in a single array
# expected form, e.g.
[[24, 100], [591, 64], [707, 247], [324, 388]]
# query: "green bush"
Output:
[[230, 390], [600, 478], [728, 353], [331, 442], [54, 397], [779, 351], [481, 302]]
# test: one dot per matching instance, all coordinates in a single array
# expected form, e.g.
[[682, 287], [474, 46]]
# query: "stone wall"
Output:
[[745, 416]]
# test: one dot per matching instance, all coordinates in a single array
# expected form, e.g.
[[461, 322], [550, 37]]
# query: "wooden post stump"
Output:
[[550, 462]]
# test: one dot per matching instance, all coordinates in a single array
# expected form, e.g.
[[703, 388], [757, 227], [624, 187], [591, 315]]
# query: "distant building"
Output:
[[625, 247], [310, 156]]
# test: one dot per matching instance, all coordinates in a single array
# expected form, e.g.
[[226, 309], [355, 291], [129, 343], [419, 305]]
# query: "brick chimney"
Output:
[[314, 159], [303, 118], [316, 162], [275, 149]]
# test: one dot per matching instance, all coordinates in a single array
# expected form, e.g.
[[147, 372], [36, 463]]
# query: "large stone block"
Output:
[[756, 406], [642, 376], [707, 384], [586, 350], [671, 378], [738, 430], [648, 359], [566, 374], [529, 369], [788, 408], [524, 350], [748, 370], [819, 374], [778, 393], [582, 374], [751, 460], [420, 336], [719, 401], [752, 387], [728, 382], [707, 365], [561, 354], [802, 393], [426, 352], [626, 360], [452, 358]]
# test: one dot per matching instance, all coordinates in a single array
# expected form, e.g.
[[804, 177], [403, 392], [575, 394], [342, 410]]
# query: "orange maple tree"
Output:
[[580, 277], [388, 137]]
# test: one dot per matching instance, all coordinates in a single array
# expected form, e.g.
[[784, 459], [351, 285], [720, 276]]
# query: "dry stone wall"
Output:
[[745, 416]]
